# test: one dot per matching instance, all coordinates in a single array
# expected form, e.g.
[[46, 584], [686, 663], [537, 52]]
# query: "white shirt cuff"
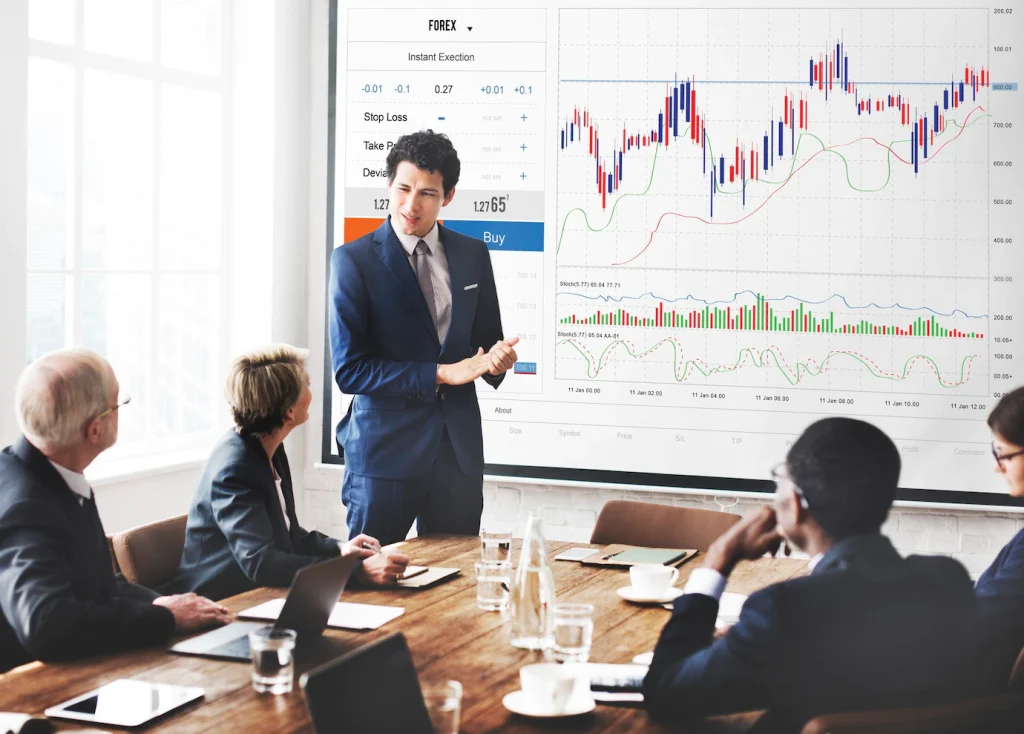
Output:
[[706, 581]]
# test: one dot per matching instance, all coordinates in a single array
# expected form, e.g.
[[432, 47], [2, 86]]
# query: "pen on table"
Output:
[[610, 555]]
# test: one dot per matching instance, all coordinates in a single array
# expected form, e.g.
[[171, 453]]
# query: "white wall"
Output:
[[13, 202], [973, 537], [130, 501]]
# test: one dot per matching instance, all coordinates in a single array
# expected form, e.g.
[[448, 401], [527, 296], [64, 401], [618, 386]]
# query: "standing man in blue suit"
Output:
[[413, 322]]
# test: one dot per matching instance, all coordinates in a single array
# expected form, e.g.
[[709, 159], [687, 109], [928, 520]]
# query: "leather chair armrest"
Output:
[[991, 714]]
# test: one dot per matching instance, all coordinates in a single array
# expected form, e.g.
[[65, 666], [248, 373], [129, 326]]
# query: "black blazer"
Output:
[[236, 538], [58, 592], [867, 629], [1000, 594]]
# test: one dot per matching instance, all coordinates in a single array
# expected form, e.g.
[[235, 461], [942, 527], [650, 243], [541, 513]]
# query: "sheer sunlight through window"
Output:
[[127, 181]]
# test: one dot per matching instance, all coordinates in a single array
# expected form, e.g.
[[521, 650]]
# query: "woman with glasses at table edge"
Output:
[[1000, 590]]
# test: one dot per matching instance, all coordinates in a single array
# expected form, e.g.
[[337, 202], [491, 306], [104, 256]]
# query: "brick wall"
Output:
[[569, 513], [971, 537]]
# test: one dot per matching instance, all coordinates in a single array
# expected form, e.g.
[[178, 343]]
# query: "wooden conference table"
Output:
[[449, 638]]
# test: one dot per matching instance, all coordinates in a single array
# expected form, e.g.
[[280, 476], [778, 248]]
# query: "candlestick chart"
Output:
[[775, 198]]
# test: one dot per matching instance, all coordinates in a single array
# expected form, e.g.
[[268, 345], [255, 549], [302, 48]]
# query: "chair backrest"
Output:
[[110, 550], [651, 525], [994, 714], [998, 714], [372, 689], [1017, 674], [149, 554]]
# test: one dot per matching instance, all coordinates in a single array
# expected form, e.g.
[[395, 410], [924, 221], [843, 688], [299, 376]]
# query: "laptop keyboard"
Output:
[[238, 647]]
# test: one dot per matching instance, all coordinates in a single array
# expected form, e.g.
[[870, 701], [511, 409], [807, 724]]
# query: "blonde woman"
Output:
[[242, 529]]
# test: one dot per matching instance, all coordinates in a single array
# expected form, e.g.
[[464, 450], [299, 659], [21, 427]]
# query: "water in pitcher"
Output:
[[532, 595]]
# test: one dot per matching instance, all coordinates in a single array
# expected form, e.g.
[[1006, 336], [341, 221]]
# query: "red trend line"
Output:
[[790, 178]]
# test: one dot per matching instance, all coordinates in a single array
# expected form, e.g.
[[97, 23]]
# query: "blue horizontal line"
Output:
[[802, 82], [620, 299]]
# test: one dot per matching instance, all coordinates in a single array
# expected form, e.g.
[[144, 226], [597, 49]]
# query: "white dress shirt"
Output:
[[284, 506], [76, 482], [709, 582], [439, 277]]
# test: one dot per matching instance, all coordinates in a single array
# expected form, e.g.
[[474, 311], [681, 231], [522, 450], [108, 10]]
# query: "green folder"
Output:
[[634, 556]]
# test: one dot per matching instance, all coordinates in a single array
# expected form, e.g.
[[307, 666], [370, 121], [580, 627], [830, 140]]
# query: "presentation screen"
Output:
[[710, 227]]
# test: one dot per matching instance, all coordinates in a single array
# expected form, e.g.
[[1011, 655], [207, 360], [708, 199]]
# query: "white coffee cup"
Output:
[[652, 579], [548, 687]]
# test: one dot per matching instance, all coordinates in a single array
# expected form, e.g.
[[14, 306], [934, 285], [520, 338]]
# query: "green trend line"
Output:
[[759, 358], [846, 164], [737, 192], [615, 204]]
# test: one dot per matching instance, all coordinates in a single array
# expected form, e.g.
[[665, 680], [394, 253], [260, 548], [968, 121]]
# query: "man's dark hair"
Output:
[[848, 470], [1007, 418], [428, 151]]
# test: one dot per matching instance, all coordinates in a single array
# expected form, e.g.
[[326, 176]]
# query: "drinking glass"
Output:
[[273, 661], [573, 632], [444, 704], [492, 584], [496, 545]]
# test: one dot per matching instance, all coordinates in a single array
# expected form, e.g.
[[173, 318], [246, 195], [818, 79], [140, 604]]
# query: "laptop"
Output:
[[372, 689], [311, 599]]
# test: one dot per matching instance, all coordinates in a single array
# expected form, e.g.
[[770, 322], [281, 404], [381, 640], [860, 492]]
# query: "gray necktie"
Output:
[[422, 268]]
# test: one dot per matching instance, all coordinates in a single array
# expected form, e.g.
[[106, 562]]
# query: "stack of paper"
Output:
[[345, 616], [729, 607]]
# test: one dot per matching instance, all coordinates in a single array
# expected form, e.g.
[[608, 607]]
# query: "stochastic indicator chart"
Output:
[[791, 199]]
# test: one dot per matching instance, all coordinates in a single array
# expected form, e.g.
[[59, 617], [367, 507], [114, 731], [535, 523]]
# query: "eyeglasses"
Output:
[[779, 476], [1000, 458], [122, 399]]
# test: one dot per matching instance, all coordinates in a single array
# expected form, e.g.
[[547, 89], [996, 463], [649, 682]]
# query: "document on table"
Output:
[[429, 577], [729, 607], [575, 554], [346, 616]]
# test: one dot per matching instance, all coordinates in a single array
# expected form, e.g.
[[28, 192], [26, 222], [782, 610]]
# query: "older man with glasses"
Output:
[[866, 628], [59, 596]]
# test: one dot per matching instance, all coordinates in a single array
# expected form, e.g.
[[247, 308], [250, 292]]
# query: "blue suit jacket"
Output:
[[867, 629], [236, 538], [1000, 595], [385, 352]]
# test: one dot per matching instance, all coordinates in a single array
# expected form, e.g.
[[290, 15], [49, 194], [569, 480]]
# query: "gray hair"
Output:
[[59, 393]]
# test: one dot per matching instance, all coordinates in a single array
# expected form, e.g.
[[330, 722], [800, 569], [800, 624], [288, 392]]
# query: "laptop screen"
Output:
[[373, 689]]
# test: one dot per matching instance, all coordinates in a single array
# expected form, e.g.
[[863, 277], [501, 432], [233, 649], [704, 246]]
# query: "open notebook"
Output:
[[346, 616], [624, 556]]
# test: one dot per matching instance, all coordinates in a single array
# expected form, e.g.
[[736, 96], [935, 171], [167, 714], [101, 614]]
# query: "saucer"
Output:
[[630, 594], [518, 703]]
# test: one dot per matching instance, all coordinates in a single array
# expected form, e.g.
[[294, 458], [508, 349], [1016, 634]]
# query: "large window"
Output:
[[128, 177]]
